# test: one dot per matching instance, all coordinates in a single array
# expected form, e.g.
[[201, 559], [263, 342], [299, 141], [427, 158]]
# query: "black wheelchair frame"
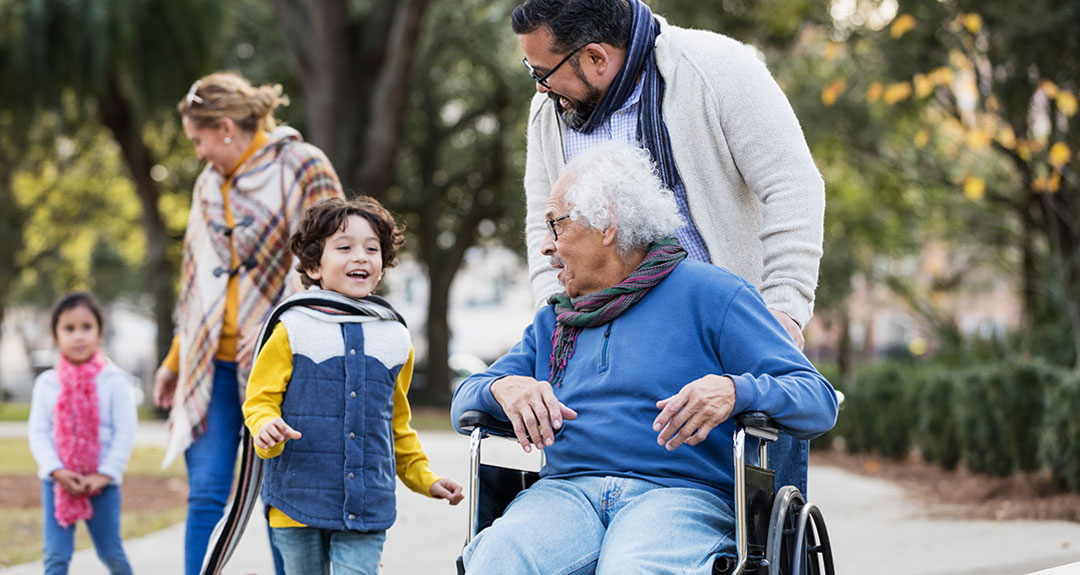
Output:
[[777, 532]]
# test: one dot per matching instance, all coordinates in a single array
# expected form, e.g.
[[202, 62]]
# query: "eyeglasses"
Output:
[[542, 78], [193, 97], [554, 230]]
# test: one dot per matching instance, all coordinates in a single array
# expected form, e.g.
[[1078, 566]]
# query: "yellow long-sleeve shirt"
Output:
[[266, 390], [230, 332]]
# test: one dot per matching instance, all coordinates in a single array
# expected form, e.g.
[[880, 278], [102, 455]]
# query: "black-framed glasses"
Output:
[[542, 78], [193, 97], [554, 230]]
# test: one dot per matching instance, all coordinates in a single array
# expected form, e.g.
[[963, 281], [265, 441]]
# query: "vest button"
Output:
[[353, 394], [352, 352], [351, 517], [352, 476], [352, 435]]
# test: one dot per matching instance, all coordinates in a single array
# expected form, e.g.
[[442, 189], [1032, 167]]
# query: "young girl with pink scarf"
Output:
[[81, 430]]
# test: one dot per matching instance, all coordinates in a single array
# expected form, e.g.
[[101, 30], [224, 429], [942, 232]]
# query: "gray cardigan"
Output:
[[753, 190]]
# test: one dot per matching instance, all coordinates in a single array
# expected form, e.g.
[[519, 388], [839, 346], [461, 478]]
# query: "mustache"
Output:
[[556, 261]]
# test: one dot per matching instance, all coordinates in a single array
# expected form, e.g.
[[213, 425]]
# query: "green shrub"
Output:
[[937, 433], [1059, 445], [878, 410], [1000, 409]]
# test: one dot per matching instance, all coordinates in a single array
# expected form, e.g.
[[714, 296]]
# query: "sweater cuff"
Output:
[[116, 473], [489, 404], [745, 393], [790, 301], [45, 472]]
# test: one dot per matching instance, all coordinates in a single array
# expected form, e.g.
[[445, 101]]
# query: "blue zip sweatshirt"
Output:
[[700, 320]]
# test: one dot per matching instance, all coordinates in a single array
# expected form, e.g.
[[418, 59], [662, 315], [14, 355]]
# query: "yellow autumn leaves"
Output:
[[903, 24], [979, 124], [1063, 99]]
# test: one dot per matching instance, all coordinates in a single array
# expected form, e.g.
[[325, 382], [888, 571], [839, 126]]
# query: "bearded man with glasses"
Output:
[[721, 132]]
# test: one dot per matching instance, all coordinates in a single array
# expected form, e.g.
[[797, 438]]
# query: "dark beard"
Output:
[[583, 109]]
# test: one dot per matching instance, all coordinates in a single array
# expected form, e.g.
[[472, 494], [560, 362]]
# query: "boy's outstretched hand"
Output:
[[447, 489], [274, 432]]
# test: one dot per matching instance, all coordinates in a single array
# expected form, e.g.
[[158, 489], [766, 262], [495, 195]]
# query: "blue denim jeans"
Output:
[[789, 458], [605, 525], [211, 461], [104, 529], [312, 551]]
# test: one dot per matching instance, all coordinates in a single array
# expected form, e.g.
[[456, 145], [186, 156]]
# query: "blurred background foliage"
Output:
[[934, 122]]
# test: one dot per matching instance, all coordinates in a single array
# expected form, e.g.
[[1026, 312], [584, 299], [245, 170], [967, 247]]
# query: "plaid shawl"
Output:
[[269, 193], [598, 308]]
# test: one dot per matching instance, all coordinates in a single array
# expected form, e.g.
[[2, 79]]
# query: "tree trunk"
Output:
[[1063, 232], [437, 390], [12, 222], [117, 113], [844, 352], [1031, 274], [383, 134], [316, 35]]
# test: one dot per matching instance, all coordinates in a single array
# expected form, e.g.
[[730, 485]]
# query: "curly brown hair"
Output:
[[322, 220]]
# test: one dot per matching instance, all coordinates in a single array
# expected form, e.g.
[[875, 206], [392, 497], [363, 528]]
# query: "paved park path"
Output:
[[874, 527]]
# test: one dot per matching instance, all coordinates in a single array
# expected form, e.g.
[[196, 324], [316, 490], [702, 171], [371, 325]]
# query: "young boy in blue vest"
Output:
[[326, 402]]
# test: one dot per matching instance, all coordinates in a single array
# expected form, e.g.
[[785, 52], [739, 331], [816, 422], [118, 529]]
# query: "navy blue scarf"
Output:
[[652, 132]]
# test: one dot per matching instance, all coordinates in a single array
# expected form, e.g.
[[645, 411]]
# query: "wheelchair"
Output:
[[777, 532]]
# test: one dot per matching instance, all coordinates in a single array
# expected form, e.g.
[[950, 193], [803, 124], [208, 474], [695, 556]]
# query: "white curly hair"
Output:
[[617, 184]]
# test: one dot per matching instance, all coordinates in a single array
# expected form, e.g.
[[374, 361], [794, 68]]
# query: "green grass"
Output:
[[14, 411], [145, 461], [21, 412], [20, 531]]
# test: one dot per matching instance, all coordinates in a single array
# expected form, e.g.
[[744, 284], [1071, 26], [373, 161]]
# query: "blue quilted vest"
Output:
[[340, 474]]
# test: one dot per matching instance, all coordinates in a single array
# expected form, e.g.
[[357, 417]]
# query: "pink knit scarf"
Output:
[[75, 432]]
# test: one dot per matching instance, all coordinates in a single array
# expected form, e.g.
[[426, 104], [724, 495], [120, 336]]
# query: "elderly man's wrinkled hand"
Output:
[[688, 416], [532, 409]]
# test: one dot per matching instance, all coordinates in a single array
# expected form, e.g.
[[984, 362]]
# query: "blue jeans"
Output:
[[605, 525], [211, 461], [104, 529], [789, 458], [310, 550]]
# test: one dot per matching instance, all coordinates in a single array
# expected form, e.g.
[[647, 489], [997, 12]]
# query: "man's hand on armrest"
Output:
[[532, 409], [689, 416]]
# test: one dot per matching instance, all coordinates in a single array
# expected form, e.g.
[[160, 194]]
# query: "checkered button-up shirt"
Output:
[[622, 126]]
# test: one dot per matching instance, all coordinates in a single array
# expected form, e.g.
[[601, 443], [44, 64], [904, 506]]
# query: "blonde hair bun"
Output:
[[230, 95]]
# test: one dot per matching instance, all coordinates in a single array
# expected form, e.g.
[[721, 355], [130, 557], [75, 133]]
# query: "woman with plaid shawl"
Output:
[[259, 178]]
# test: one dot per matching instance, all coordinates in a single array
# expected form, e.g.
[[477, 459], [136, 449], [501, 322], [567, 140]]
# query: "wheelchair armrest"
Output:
[[758, 424], [472, 419]]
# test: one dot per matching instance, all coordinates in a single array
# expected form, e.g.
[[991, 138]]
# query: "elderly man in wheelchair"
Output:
[[628, 382]]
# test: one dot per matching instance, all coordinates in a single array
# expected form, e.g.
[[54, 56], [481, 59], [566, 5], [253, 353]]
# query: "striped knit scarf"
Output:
[[75, 433], [640, 60], [598, 308]]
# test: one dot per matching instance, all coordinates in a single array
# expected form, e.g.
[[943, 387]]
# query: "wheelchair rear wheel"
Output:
[[798, 543]]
